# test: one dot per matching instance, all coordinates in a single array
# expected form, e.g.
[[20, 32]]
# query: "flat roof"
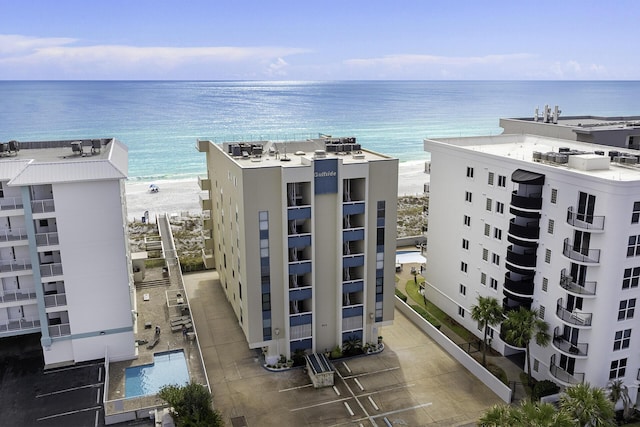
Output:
[[524, 148], [298, 153], [589, 123]]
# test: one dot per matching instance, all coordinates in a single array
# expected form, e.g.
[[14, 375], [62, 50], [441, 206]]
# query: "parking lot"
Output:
[[32, 397], [413, 382]]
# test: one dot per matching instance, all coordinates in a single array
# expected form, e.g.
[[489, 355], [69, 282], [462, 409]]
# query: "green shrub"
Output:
[[191, 263], [400, 295], [336, 353], [544, 388], [429, 318]]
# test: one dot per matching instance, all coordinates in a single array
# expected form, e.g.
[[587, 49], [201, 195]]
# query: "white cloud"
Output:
[[44, 57], [402, 60]]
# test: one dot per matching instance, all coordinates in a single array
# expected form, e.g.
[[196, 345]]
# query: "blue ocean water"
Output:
[[160, 120]]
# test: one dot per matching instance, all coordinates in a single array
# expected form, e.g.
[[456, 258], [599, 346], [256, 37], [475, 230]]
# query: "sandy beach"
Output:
[[182, 196]]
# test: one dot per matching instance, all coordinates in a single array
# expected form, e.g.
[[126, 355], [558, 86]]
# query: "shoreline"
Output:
[[181, 196]]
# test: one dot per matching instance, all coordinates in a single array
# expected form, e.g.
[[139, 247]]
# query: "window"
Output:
[[631, 278], [463, 267], [460, 311], [469, 172], [622, 339], [500, 207], [487, 230], [266, 301], [489, 204], [467, 220], [490, 178], [495, 258], [485, 254], [483, 278], [493, 284], [467, 196], [554, 195], [635, 215], [541, 311], [497, 233], [633, 247], [463, 289], [502, 181], [547, 256], [536, 365], [618, 369], [545, 284], [626, 309], [465, 244], [550, 226]]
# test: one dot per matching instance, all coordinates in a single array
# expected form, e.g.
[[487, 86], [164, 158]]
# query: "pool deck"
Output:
[[154, 311]]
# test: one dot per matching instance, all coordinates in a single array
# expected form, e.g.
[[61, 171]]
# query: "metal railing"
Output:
[[48, 270], [11, 203], [55, 300], [60, 330], [562, 344], [567, 282], [18, 295], [575, 317], [18, 325], [15, 265], [564, 376], [13, 235], [42, 206], [47, 239], [584, 221], [580, 254]]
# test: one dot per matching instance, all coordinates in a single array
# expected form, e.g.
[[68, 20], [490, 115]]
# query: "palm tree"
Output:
[[588, 406], [619, 391], [522, 326], [487, 312], [527, 414]]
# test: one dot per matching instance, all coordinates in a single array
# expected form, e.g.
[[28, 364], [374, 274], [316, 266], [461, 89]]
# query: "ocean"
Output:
[[160, 121]]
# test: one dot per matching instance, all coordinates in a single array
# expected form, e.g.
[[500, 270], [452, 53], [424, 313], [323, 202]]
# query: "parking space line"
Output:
[[358, 383], [53, 371], [295, 388], [370, 373], [98, 397], [346, 405], [320, 404], [95, 424], [64, 414], [100, 374], [403, 410], [346, 367], [373, 403], [68, 390]]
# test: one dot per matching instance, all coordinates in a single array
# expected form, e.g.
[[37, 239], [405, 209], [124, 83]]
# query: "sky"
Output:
[[319, 40]]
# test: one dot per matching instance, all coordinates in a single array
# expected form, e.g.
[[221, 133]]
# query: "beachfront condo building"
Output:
[[64, 260], [302, 235], [548, 224]]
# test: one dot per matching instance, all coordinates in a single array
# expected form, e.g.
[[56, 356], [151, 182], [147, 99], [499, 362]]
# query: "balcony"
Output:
[[530, 230], [584, 221], [61, 330], [584, 289], [205, 202], [300, 331], [204, 183], [55, 300], [17, 295], [353, 208], [13, 235], [300, 294], [19, 325], [503, 337], [48, 270], [567, 347], [521, 286], [510, 304], [11, 203], [576, 317], [298, 212], [11, 265], [352, 323], [524, 258], [584, 255], [349, 261], [47, 239], [353, 234], [42, 206], [531, 201], [563, 376]]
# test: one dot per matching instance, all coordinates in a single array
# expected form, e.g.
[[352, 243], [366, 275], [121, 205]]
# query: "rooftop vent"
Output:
[[319, 154]]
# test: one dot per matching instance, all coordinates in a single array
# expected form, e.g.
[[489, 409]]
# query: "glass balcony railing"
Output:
[[563, 376], [10, 203], [561, 343], [61, 330], [11, 265], [573, 317], [19, 325], [585, 288], [17, 295], [586, 255], [13, 235], [55, 300], [42, 206], [47, 239], [48, 270], [584, 221]]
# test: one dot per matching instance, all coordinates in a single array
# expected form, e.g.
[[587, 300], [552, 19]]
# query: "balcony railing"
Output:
[[300, 331], [60, 330], [42, 206], [564, 376], [13, 235], [584, 221], [585, 255], [48, 270], [47, 239], [14, 265], [17, 295], [19, 325], [532, 201], [586, 288], [55, 300], [526, 259], [351, 323], [575, 317], [567, 347], [529, 231], [523, 286], [11, 203]]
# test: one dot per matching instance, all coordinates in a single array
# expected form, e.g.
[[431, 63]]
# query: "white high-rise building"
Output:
[[303, 236], [65, 269], [544, 223]]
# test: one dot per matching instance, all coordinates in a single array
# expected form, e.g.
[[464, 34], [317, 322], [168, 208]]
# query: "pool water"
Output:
[[167, 368]]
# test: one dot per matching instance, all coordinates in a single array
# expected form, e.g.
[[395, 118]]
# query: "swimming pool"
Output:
[[167, 368]]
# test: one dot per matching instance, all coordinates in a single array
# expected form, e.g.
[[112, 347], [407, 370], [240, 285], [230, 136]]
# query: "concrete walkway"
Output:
[[512, 370]]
